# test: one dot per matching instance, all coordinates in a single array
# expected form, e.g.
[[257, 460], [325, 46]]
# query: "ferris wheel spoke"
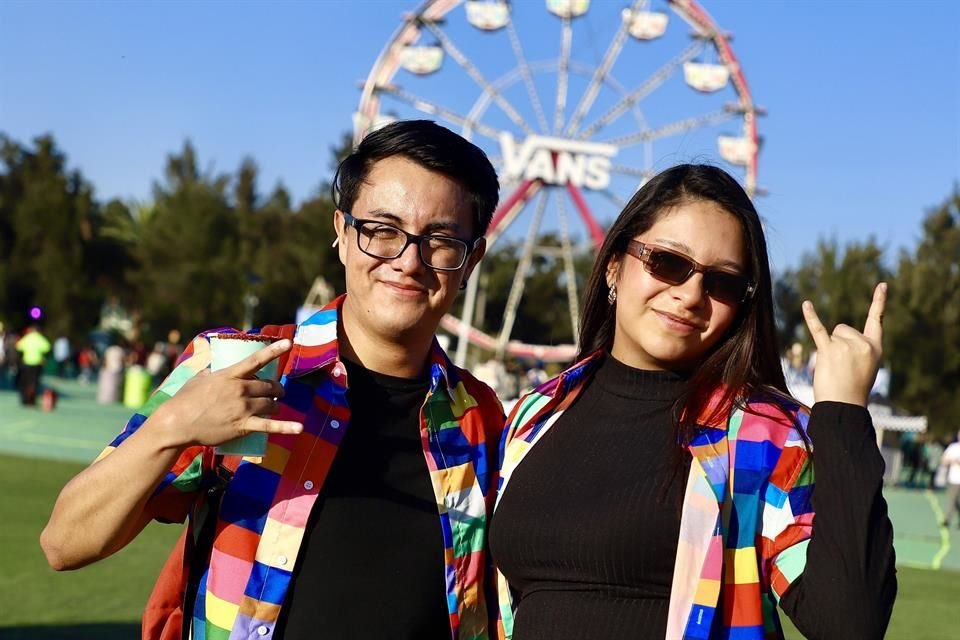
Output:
[[511, 207], [568, 268], [619, 202], [527, 77], [613, 52], [650, 84], [474, 73], [425, 106], [643, 174], [596, 232], [566, 40], [520, 276], [673, 128]]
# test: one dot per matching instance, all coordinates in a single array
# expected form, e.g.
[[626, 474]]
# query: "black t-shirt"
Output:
[[371, 564]]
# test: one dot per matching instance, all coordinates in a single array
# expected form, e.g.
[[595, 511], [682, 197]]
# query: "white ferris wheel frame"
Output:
[[428, 16]]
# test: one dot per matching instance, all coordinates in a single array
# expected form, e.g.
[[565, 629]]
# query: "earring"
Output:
[[612, 296]]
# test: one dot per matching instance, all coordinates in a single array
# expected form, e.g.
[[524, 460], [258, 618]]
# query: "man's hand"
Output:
[[847, 360], [213, 408]]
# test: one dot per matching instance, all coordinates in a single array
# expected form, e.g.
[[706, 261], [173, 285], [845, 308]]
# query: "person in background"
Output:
[[951, 460], [3, 356], [173, 349], [33, 347], [110, 379], [156, 364], [10, 369], [663, 486], [88, 361], [367, 516], [61, 355]]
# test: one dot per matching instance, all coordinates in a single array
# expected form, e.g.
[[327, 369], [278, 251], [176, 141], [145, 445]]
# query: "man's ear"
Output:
[[613, 271], [341, 241], [479, 250]]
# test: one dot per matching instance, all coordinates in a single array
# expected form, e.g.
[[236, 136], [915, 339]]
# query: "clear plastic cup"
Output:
[[227, 349]]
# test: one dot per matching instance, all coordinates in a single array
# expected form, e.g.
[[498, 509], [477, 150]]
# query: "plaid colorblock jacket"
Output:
[[265, 506], [746, 516]]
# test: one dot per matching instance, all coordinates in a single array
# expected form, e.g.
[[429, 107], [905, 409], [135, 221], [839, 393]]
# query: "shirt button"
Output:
[[336, 371], [262, 630], [281, 560], [308, 485], [335, 424]]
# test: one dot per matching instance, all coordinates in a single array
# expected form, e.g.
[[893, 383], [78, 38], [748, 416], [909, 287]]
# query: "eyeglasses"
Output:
[[675, 268], [386, 242]]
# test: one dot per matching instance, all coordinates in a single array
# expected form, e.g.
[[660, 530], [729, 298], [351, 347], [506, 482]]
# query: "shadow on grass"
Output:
[[89, 631]]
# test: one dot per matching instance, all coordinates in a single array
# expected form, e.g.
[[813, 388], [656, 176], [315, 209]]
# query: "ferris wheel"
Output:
[[576, 106]]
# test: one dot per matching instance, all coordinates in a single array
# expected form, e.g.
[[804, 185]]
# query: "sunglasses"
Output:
[[675, 268]]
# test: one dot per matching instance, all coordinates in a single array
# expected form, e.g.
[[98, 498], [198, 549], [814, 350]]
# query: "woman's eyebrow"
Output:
[[687, 250]]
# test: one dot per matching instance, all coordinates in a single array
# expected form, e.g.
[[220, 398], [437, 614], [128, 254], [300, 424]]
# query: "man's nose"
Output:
[[409, 259]]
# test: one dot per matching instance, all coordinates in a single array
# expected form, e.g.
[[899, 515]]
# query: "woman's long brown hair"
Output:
[[747, 357]]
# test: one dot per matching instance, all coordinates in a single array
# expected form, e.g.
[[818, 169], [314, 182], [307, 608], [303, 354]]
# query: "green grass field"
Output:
[[104, 601], [101, 601]]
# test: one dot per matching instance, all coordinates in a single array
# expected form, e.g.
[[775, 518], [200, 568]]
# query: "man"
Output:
[[951, 461], [367, 516], [33, 348]]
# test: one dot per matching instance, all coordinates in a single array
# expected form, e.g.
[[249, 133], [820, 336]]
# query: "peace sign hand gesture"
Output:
[[847, 360], [213, 408]]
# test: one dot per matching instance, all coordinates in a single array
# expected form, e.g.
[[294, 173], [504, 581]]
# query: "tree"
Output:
[[839, 282], [47, 221], [188, 274], [923, 322]]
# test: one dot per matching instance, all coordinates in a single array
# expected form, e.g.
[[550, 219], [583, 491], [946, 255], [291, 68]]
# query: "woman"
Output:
[[666, 484]]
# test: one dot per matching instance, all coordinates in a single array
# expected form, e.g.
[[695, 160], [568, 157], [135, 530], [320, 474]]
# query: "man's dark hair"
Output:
[[431, 146]]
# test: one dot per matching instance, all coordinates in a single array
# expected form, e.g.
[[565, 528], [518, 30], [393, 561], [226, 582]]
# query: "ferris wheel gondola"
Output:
[[561, 130]]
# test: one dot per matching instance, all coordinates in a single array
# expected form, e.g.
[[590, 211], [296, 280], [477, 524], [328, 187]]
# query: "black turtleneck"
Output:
[[587, 531]]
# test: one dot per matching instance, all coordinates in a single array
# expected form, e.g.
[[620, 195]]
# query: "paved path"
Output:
[[76, 431]]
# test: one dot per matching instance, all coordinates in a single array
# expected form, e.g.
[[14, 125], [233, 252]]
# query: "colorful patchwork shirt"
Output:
[[746, 516], [266, 504]]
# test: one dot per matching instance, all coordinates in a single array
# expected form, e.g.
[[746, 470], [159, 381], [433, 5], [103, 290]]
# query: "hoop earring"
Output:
[[612, 296]]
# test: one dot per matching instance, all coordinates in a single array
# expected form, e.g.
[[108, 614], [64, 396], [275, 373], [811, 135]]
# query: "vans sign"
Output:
[[557, 161]]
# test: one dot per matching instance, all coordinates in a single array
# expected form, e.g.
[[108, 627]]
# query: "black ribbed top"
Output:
[[587, 531]]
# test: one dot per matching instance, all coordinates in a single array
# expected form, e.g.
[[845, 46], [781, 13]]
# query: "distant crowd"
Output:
[[123, 369]]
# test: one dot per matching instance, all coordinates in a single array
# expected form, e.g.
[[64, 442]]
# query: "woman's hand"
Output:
[[213, 408], [847, 360]]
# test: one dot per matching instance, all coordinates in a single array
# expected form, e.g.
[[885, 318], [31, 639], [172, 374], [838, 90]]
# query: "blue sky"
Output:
[[862, 133]]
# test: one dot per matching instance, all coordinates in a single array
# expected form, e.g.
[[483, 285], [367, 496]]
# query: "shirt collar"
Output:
[[316, 346], [580, 371]]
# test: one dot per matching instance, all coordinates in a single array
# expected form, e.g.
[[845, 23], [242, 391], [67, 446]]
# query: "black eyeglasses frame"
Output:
[[411, 238]]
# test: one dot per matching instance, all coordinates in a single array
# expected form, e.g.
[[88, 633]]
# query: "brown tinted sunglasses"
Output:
[[675, 268]]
